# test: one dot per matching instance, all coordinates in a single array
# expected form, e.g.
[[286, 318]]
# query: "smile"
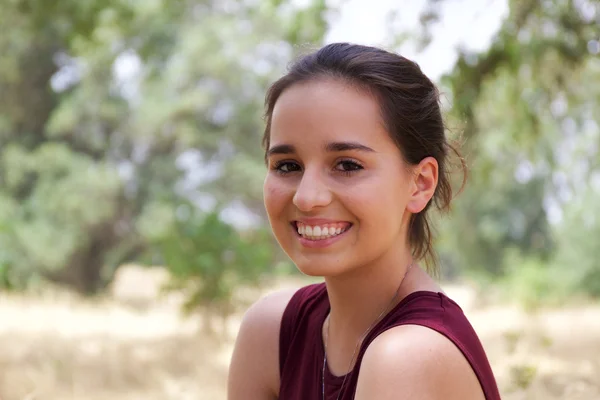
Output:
[[320, 232]]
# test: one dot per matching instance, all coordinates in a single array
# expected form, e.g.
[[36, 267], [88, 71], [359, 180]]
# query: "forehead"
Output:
[[327, 111]]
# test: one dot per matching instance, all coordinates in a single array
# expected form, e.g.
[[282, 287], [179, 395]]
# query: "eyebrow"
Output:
[[281, 149], [332, 147], [345, 146]]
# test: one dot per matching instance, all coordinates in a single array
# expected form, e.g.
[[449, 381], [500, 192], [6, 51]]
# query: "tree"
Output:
[[103, 104], [210, 262], [520, 106]]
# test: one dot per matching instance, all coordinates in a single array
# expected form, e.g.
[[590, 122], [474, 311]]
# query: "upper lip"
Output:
[[318, 221]]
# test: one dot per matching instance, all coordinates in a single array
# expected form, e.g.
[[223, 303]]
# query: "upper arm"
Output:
[[254, 368], [415, 362]]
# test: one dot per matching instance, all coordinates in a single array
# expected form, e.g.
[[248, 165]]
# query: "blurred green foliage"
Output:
[[101, 106], [527, 112], [209, 260]]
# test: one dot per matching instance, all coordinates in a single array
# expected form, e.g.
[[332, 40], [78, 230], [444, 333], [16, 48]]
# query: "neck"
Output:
[[359, 297]]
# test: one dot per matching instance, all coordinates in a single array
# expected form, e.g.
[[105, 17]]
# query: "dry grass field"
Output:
[[134, 345]]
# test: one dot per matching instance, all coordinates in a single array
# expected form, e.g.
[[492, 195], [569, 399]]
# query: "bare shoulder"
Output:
[[265, 314], [411, 361], [254, 368]]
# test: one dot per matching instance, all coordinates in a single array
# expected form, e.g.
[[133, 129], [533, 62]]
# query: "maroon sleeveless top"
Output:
[[301, 349]]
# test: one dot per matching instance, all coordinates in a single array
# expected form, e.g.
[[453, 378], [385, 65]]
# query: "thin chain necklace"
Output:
[[362, 337]]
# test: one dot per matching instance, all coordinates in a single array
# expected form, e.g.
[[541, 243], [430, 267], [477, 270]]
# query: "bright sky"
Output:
[[470, 23]]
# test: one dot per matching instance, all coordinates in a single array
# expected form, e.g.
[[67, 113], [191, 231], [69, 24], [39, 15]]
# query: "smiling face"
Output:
[[338, 193]]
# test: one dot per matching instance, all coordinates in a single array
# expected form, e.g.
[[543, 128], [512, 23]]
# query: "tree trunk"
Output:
[[83, 271]]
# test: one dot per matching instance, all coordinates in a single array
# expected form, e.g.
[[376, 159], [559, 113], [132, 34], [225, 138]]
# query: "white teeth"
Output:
[[318, 232]]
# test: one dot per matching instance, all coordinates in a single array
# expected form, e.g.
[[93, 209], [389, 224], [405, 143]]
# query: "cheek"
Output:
[[379, 201], [275, 196]]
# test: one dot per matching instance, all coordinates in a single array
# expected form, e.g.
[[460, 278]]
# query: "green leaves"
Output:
[[209, 260], [522, 105], [578, 236], [60, 185], [99, 101]]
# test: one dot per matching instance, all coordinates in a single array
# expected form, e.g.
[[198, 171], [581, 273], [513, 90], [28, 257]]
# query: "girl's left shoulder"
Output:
[[413, 361]]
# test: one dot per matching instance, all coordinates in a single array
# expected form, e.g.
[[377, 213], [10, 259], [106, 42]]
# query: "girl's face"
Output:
[[338, 193]]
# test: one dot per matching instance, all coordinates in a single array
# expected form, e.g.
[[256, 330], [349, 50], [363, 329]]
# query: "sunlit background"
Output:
[[132, 229]]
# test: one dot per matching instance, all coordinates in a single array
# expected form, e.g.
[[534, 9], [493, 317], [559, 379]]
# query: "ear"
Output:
[[425, 179]]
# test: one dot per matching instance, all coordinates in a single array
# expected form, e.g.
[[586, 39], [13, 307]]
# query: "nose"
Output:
[[311, 192]]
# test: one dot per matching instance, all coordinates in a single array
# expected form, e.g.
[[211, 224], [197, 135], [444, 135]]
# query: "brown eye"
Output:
[[348, 166], [286, 167]]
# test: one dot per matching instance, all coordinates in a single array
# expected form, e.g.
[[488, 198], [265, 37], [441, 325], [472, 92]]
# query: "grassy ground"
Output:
[[61, 347]]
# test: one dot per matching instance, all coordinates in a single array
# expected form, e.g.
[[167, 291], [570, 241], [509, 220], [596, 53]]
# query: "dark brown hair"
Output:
[[410, 110]]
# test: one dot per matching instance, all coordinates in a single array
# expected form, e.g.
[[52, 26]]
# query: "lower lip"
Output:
[[319, 244]]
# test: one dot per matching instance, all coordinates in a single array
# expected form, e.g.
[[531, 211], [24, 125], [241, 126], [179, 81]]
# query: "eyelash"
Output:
[[355, 165]]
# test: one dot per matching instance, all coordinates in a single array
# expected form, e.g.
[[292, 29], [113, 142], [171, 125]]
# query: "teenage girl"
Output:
[[357, 155]]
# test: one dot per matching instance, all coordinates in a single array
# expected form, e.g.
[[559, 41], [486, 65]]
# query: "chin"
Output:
[[320, 265], [324, 258]]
